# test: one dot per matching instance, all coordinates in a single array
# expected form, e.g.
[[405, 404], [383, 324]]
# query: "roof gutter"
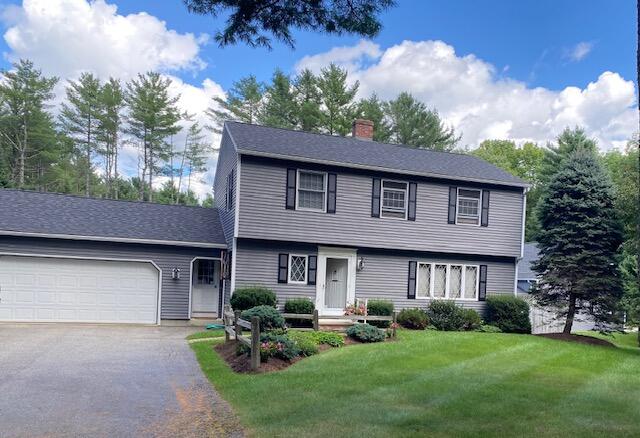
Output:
[[379, 169], [114, 239]]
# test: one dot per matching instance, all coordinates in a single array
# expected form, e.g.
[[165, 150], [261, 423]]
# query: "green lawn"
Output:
[[441, 384], [206, 335], [622, 340]]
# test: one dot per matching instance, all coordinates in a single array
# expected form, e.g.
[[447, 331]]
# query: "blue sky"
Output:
[[520, 70], [530, 38]]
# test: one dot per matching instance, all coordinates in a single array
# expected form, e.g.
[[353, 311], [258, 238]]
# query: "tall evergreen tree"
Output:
[[412, 124], [109, 129], [153, 117], [279, 109], [26, 128], [80, 117], [337, 98], [569, 141], [195, 154], [242, 103], [307, 97], [579, 239], [373, 109]]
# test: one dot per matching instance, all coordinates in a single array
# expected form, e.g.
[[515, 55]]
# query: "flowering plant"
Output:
[[356, 309], [391, 329]]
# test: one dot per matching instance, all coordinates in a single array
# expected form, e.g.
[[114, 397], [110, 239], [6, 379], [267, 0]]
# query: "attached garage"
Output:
[[48, 289], [74, 259]]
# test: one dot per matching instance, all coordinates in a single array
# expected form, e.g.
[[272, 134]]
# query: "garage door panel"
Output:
[[71, 290]]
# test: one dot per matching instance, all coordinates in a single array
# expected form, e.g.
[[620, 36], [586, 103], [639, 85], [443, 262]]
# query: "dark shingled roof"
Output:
[[352, 152], [51, 213], [530, 255]]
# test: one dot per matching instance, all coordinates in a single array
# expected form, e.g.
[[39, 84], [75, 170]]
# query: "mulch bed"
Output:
[[578, 338], [242, 363]]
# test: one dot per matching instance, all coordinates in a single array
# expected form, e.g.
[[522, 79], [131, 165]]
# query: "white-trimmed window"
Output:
[[297, 269], [468, 211], [447, 281], [394, 199], [311, 190], [206, 272]]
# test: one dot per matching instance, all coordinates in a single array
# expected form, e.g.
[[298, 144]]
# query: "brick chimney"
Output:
[[362, 129]]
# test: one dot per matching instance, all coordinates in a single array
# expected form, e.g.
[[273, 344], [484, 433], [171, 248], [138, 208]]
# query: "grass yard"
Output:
[[621, 340], [440, 384], [208, 334]]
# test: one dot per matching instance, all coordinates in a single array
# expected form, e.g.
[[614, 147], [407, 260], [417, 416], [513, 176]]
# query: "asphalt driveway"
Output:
[[79, 380]]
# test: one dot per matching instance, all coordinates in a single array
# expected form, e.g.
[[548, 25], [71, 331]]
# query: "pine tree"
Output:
[[412, 124], [80, 117], [196, 152], [579, 239], [109, 128], [338, 108], [153, 117], [279, 109], [570, 140], [631, 297], [307, 98], [373, 109], [26, 128], [242, 103]]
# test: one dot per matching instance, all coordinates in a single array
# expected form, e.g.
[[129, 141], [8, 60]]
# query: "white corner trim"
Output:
[[234, 257], [107, 259], [524, 220], [236, 204], [112, 239]]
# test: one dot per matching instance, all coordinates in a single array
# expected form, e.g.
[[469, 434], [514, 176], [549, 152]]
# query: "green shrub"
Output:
[[302, 306], [486, 328], [509, 313], [328, 338], [276, 345], [380, 308], [471, 319], [445, 315], [269, 316], [414, 319], [306, 343], [248, 297], [365, 333]]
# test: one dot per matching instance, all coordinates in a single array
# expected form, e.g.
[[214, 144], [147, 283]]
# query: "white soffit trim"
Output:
[[113, 239]]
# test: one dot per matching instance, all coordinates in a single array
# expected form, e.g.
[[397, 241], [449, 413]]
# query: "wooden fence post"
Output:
[[255, 343], [226, 323], [316, 323], [394, 323], [237, 327]]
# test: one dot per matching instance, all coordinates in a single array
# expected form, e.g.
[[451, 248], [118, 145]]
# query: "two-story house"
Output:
[[329, 218], [338, 219]]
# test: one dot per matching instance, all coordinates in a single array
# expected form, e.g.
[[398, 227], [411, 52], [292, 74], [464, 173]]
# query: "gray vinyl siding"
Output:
[[175, 293], [386, 276], [383, 277], [258, 265], [227, 161], [263, 203]]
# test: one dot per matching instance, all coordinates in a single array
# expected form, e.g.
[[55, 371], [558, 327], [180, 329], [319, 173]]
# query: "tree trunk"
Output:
[[87, 181], [21, 161], [115, 164], [570, 314]]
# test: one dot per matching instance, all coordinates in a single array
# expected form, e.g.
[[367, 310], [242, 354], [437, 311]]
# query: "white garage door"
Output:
[[45, 289]]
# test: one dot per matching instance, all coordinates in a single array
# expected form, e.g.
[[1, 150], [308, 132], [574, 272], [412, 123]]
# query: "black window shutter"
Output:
[[411, 284], [291, 189], [453, 200], [484, 217], [482, 286], [283, 268], [312, 269], [375, 198], [413, 188], [331, 193]]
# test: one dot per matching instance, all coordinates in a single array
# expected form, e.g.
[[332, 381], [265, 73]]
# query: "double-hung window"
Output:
[[298, 269], [312, 190], [447, 281], [468, 211], [394, 199]]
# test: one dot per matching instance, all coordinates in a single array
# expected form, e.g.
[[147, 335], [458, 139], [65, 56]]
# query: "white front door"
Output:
[[336, 282], [205, 286], [52, 289]]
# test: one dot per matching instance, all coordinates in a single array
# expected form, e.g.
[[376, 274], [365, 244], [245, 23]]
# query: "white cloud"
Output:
[[580, 51], [349, 57], [471, 96], [68, 37]]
